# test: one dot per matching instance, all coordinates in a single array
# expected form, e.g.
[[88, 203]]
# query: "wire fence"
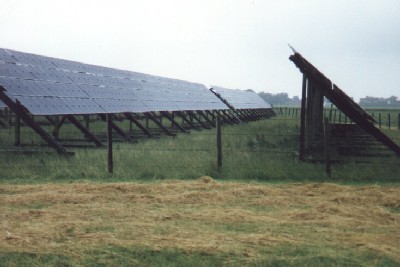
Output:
[[383, 118], [265, 150]]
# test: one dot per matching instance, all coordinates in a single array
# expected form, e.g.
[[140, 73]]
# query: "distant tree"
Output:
[[370, 101], [280, 99]]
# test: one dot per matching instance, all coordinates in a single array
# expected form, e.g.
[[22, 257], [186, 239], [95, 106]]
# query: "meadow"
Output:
[[168, 204]]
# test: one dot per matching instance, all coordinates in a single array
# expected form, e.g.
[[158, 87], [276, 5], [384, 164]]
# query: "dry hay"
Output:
[[202, 215]]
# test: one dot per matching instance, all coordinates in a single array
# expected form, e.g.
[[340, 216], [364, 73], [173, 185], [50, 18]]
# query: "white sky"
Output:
[[231, 43]]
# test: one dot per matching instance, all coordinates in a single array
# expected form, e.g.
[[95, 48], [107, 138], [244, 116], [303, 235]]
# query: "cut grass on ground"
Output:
[[199, 223]]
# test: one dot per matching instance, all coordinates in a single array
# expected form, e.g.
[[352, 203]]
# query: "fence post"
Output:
[[17, 130], [303, 117], [326, 142], [398, 122], [373, 116], [379, 120], [110, 164], [389, 120], [219, 142], [334, 116]]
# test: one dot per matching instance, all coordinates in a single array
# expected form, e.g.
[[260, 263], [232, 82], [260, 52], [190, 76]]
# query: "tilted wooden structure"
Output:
[[315, 87]]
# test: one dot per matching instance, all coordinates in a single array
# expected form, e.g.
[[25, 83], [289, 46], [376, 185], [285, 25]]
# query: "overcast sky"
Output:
[[231, 43]]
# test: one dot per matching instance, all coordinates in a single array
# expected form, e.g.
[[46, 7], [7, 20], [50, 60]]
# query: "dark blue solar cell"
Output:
[[32, 59], [240, 99], [79, 88], [6, 56], [68, 65], [16, 71]]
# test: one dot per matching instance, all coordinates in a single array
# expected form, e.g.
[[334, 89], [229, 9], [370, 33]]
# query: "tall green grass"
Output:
[[265, 150]]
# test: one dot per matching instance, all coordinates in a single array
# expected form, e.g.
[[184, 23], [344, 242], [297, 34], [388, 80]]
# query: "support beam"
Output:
[[193, 115], [18, 109], [229, 117], [17, 130], [183, 116], [131, 118], [151, 117], [84, 130], [174, 123], [115, 127], [59, 123], [201, 113], [211, 115]]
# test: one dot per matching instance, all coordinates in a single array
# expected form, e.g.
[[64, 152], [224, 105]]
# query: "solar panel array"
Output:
[[240, 99], [50, 86]]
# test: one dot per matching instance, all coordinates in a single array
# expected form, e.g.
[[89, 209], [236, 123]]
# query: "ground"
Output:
[[237, 223]]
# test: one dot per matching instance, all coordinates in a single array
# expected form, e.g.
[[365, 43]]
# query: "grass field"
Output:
[[199, 223], [262, 208]]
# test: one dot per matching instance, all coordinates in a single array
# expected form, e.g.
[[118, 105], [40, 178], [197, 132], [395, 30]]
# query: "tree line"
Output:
[[283, 99]]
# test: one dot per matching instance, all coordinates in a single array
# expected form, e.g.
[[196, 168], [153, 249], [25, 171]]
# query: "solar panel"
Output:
[[49, 86], [240, 99], [6, 56]]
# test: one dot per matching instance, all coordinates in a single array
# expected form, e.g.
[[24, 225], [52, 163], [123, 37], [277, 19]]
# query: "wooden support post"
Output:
[[379, 120], [17, 130], [334, 115], [398, 122], [194, 116], [327, 141], [389, 120], [150, 116], [84, 130], [17, 108], [173, 122], [303, 118], [117, 129], [87, 121], [184, 119], [56, 132], [373, 116], [138, 124], [219, 142], [201, 113], [110, 163]]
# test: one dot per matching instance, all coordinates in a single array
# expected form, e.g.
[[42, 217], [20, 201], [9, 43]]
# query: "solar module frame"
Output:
[[240, 99], [50, 86]]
